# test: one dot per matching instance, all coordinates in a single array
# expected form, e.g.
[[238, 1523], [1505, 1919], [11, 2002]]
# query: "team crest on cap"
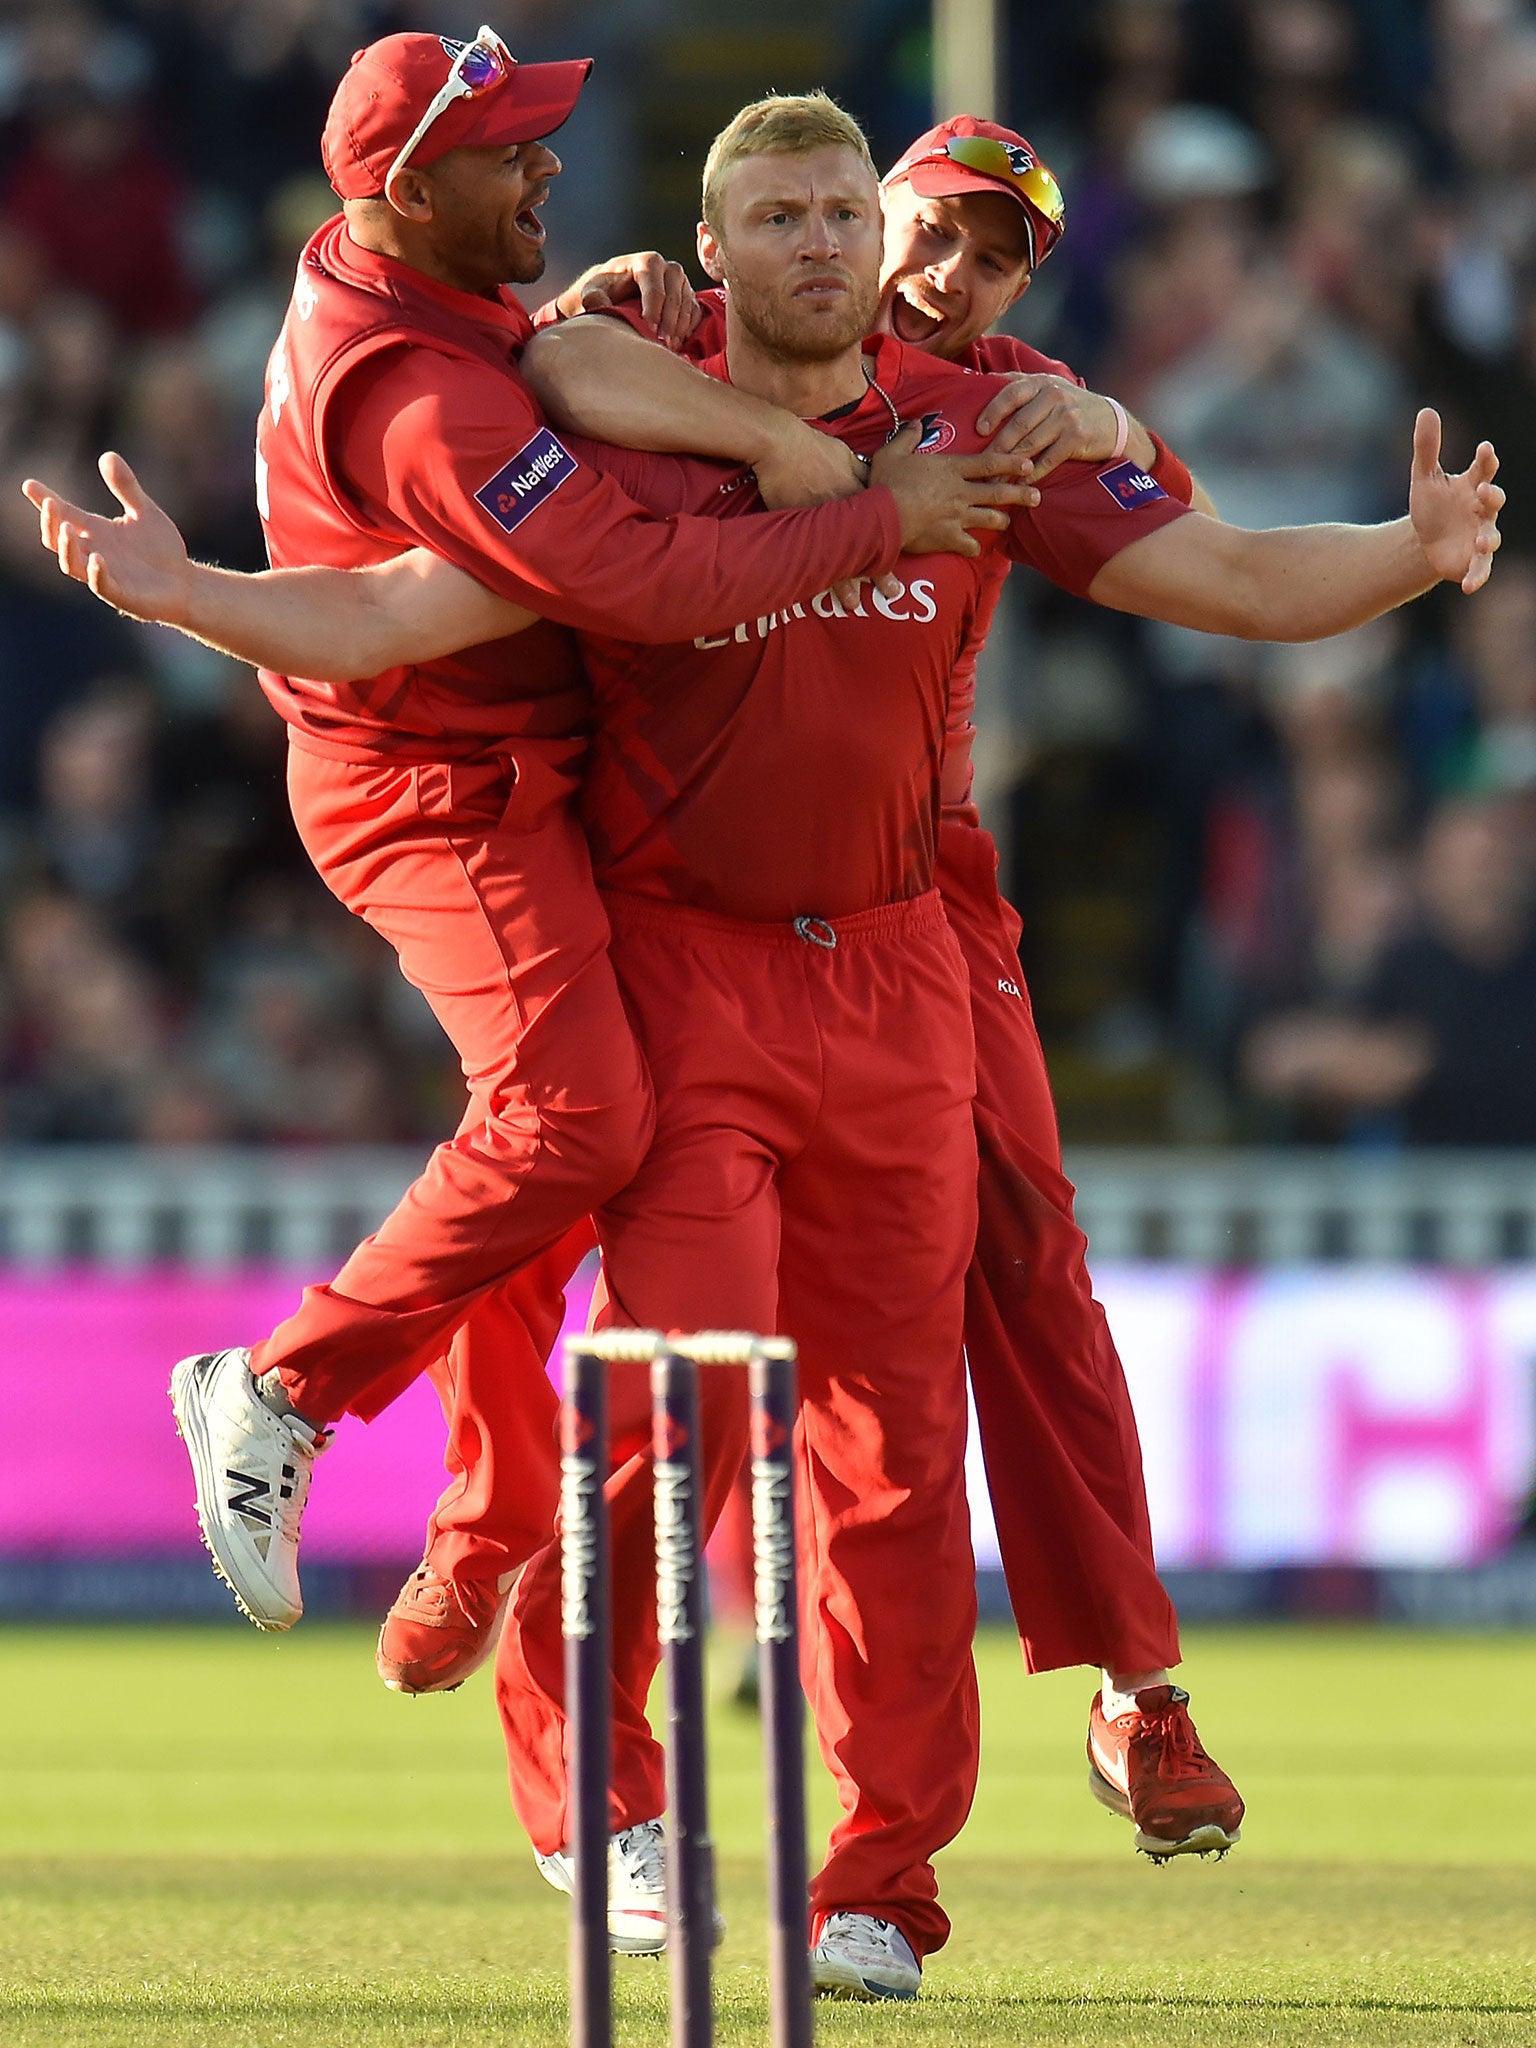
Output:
[[1130, 486], [938, 434]]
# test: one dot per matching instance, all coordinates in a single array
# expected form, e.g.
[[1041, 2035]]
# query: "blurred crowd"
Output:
[[1270, 893]]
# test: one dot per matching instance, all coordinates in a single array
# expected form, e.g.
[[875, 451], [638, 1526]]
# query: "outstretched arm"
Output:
[[1308, 582], [329, 625]]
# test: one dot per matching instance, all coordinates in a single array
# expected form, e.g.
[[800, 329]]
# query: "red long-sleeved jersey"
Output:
[[789, 765], [395, 417], [999, 354]]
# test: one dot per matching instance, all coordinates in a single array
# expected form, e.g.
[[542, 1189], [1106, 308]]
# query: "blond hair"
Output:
[[782, 125]]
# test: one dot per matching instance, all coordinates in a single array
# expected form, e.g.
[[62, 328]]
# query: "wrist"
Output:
[[1122, 428], [761, 432], [190, 601], [567, 305]]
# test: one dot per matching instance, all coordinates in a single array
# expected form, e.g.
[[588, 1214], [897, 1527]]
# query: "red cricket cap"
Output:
[[929, 171], [388, 87]]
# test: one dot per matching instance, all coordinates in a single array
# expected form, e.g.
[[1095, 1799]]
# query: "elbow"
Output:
[[369, 651], [559, 363], [335, 670], [539, 365]]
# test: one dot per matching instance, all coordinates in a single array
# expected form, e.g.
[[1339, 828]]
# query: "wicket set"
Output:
[[586, 1623]]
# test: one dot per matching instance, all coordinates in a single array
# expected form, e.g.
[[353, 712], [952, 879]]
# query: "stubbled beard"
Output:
[[772, 324], [527, 268]]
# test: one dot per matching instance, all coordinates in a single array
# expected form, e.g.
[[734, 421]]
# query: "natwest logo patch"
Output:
[[1130, 486], [535, 473]]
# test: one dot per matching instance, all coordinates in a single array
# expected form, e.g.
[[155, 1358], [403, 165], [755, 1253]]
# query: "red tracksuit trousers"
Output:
[[813, 1172], [1057, 1429], [1058, 1433], [477, 873]]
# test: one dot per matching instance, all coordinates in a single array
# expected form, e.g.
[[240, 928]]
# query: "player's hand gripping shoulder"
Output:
[[330, 625], [945, 500], [1052, 420], [666, 297]]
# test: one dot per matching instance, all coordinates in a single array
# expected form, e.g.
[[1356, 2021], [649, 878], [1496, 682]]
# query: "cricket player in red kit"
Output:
[[1056, 1425], [970, 213], [435, 799], [763, 808]]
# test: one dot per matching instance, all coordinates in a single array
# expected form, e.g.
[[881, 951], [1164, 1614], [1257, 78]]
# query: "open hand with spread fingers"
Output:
[[1456, 518], [137, 563]]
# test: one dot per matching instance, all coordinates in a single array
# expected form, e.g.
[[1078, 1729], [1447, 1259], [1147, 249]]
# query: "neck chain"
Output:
[[885, 399]]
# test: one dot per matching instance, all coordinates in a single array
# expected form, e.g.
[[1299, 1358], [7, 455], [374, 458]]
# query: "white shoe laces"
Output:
[[304, 1446], [862, 1939], [639, 1854]]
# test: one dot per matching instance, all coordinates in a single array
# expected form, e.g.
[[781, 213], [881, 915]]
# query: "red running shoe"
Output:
[[438, 1631], [1149, 1767]]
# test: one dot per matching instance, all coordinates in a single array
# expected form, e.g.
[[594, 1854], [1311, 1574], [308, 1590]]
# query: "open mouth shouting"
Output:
[[911, 319], [527, 221]]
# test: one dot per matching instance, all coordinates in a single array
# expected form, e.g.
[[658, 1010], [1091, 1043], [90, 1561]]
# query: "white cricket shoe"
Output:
[[637, 1887], [252, 1468], [859, 1956]]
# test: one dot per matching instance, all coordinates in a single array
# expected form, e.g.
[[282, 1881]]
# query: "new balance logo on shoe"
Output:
[[246, 1489], [251, 1469]]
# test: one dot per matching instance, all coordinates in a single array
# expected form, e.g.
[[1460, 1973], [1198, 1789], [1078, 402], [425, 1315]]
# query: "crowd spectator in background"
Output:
[[1270, 893], [1434, 1042]]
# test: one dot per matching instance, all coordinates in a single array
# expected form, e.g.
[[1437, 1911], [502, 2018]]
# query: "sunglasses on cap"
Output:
[[477, 68], [1045, 215]]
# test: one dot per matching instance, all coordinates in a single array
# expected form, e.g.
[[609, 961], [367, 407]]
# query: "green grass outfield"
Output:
[[211, 1837]]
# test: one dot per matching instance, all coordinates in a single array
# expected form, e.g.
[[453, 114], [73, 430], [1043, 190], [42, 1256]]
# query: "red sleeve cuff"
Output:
[[1170, 472], [890, 526]]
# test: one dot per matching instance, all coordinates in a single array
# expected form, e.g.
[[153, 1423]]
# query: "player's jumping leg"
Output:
[[1057, 1428], [691, 1243], [479, 878], [499, 1505]]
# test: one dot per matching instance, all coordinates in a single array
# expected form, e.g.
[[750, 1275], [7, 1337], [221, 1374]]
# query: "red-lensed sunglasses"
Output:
[[1045, 214], [477, 68]]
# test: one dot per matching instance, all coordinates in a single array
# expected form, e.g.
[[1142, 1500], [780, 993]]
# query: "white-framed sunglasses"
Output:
[[477, 68]]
